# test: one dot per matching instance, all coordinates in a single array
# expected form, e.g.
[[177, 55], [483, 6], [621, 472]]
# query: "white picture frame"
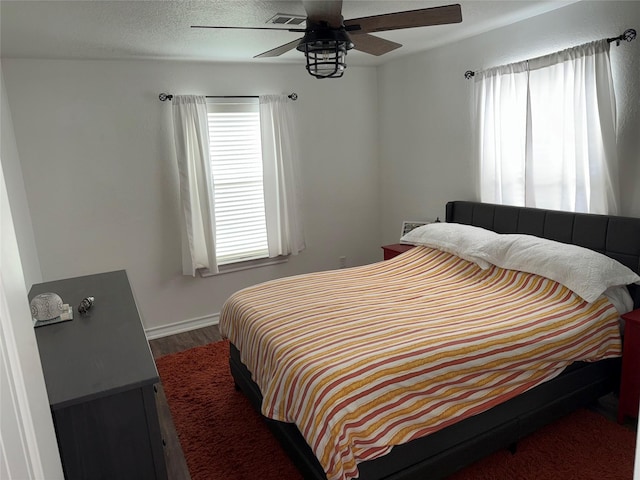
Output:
[[409, 225]]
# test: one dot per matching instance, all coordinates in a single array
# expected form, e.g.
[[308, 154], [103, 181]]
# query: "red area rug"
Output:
[[224, 438]]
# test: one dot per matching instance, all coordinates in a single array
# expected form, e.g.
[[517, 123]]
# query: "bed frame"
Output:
[[448, 450]]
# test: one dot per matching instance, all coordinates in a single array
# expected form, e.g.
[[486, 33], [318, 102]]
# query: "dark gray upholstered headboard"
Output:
[[616, 237]]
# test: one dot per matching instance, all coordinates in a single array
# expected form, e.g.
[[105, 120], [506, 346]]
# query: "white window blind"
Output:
[[236, 170]]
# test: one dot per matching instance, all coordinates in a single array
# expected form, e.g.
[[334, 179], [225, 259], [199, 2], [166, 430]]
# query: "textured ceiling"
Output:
[[159, 29]]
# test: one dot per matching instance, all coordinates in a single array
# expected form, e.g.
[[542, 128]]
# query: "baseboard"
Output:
[[183, 326]]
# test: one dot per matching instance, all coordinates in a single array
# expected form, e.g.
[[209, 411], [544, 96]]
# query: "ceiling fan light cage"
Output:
[[326, 52], [327, 61]]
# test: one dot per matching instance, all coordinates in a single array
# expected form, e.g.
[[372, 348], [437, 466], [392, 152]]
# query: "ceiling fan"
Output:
[[328, 37]]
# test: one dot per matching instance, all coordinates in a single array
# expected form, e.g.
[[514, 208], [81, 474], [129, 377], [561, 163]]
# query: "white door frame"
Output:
[[28, 446]]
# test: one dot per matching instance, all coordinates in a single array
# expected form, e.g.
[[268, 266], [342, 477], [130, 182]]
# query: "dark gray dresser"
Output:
[[100, 378]]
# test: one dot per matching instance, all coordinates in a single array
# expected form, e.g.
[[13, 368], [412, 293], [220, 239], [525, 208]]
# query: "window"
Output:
[[229, 213], [547, 132], [236, 170]]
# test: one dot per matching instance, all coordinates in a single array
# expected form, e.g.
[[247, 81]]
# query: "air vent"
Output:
[[286, 19]]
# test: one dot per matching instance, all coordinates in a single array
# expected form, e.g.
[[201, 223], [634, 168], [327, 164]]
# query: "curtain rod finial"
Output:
[[468, 74], [165, 96], [629, 34]]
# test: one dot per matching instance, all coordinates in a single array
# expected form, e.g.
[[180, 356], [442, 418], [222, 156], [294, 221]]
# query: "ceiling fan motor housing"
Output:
[[325, 50]]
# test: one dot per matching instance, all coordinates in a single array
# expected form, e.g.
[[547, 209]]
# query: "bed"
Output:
[[454, 446]]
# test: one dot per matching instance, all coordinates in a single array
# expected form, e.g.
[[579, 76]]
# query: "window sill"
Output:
[[246, 265]]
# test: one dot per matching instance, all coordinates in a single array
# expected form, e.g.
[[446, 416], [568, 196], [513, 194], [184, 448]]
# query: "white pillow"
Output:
[[620, 297], [455, 238], [585, 272]]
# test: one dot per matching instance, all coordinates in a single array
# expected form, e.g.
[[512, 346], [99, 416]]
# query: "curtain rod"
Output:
[[628, 35], [167, 96]]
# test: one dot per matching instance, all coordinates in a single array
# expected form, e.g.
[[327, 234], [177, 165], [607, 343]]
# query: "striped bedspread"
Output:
[[366, 358]]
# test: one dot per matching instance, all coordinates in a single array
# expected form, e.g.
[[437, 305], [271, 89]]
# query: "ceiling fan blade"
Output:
[[329, 11], [274, 52], [374, 45], [410, 19], [301, 30]]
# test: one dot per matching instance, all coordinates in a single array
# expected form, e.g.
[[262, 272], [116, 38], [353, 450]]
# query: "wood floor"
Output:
[[174, 458], [176, 464]]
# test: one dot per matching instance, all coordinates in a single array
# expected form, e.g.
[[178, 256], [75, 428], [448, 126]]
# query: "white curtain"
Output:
[[191, 138], [281, 182], [501, 94], [564, 157]]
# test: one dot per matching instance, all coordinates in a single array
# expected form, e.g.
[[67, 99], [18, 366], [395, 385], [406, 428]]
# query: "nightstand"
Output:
[[395, 249], [630, 379]]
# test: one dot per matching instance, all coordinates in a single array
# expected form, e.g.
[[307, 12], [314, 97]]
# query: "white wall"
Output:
[[426, 129], [96, 147], [17, 195], [28, 448]]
